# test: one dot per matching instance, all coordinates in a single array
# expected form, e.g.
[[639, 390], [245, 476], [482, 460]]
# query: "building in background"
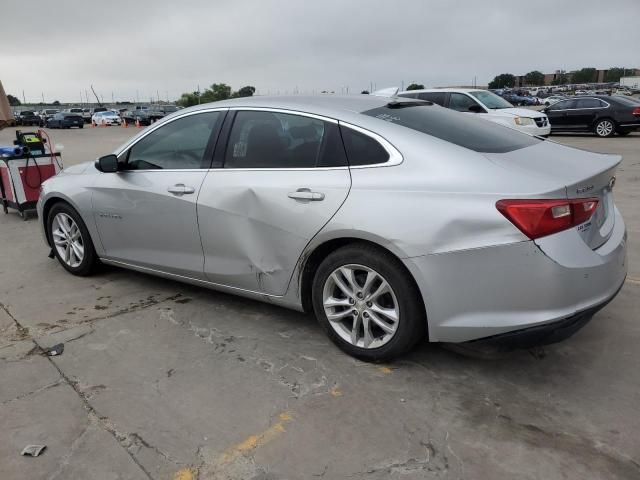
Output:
[[550, 78]]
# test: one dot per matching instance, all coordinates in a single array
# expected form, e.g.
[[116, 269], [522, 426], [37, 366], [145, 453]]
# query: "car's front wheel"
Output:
[[605, 128], [70, 240], [367, 303]]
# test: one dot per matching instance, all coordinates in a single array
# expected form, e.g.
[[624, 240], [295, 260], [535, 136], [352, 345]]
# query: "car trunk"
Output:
[[579, 173]]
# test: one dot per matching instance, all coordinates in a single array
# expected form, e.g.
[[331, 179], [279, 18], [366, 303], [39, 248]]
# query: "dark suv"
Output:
[[28, 117], [603, 115]]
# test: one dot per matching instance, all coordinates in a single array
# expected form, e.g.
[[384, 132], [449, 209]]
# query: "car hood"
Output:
[[76, 169], [517, 112]]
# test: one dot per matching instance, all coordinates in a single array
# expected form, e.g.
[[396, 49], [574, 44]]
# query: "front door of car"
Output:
[[280, 179], [146, 212], [558, 114]]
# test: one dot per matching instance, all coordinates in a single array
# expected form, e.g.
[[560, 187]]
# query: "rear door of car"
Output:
[[276, 180], [585, 112]]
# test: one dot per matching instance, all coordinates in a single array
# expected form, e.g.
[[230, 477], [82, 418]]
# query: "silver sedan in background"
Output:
[[394, 220]]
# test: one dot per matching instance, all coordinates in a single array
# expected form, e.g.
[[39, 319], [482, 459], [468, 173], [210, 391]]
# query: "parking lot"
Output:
[[161, 380]]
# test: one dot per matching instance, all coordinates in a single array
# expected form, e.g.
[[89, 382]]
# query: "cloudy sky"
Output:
[[166, 47]]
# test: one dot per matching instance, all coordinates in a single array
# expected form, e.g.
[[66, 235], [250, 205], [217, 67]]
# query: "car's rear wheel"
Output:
[[70, 240], [605, 128], [367, 303]]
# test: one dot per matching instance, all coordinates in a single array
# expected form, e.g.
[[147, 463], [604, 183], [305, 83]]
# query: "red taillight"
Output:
[[538, 218], [636, 111]]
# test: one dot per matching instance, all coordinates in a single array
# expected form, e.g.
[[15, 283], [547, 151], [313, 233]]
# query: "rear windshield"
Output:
[[458, 128]]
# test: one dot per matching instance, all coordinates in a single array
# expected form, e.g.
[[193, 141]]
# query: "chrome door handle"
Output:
[[306, 194], [180, 189]]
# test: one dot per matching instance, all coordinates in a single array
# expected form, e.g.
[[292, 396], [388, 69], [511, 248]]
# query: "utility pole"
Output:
[[42, 97], [198, 94], [24, 100]]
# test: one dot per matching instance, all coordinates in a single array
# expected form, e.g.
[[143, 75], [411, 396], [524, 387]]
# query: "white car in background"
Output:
[[553, 99], [106, 118], [486, 105]]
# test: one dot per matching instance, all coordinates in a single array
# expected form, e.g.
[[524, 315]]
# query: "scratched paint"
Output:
[[185, 474], [385, 370], [252, 442]]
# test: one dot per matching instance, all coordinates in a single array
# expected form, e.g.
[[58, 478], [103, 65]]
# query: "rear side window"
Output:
[[263, 139], [588, 103], [362, 149], [463, 130], [563, 105], [435, 97]]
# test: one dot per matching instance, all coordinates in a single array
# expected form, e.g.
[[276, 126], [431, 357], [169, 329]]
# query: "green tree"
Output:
[[364, 92], [56, 103], [534, 78], [561, 78], [614, 74], [503, 80], [415, 86], [217, 91], [13, 101], [247, 91], [584, 75]]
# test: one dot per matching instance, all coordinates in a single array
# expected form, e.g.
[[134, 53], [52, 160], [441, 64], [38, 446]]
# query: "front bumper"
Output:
[[535, 130], [483, 292]]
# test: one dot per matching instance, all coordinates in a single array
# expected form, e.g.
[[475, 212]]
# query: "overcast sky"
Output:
[[131, 47]]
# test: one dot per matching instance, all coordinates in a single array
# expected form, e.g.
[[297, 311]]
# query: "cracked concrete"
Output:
[[161, 380]]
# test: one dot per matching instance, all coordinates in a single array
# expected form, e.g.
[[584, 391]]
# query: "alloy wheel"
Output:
[[67, 239], [604, 128], [361, 306]]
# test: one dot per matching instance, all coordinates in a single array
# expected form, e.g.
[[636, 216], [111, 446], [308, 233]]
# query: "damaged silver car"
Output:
[[393, 220]]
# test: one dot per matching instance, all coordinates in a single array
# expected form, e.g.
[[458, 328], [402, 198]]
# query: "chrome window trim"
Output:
[[161, 123], [585, 108], [395, 157], [284, 111]]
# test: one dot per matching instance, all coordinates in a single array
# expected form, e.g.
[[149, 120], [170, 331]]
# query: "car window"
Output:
[[261, 139], [562, 105], [362, 149], [435, 97], [463, 130], [180, 144], [461, 102], [588, 103]]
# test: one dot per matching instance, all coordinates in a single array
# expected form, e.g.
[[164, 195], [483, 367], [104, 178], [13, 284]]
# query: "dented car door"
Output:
[[282, 177]]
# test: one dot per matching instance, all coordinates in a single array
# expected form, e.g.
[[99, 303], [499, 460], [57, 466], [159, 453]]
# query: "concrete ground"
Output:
[[161, 380]]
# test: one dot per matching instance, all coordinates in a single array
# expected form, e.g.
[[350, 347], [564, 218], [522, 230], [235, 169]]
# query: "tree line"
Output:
[[535, 78], [216, 92]]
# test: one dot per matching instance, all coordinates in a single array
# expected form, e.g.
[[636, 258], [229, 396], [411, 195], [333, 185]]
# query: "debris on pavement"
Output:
[[33, 450], [55, 350]]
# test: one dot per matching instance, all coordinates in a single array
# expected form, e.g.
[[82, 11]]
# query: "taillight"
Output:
[[538, 218], [636, 111]]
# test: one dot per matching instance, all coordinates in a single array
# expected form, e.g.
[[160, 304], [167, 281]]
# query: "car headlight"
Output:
[[522, 121]]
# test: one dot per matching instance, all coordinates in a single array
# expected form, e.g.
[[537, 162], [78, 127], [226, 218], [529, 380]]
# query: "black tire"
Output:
[[81, 126], [605, 127], [623, 133], [90, 259], [412, 323]]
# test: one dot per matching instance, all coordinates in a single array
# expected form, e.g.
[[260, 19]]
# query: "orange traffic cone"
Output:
[[104, 123], [137, 123], [124, 123], [93, 124]]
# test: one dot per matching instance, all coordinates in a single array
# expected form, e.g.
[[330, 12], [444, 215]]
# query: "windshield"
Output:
[[170, 109], [463, 130], [491, 100]]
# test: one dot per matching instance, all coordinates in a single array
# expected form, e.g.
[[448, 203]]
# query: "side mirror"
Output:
[[107, 164], [476, 109]]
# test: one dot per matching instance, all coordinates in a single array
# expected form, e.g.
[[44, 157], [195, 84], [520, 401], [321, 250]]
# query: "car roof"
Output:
[[332, 106], [447, 90]]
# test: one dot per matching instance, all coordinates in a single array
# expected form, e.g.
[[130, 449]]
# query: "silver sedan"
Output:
[[393, 220]]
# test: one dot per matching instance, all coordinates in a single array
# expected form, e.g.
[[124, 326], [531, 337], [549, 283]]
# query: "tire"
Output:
[[81, 126], [402, 301], [63, 212], [605, 128]]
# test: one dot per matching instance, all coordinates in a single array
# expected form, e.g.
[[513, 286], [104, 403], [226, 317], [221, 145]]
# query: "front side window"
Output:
[[491, 100], [461, 102], [262, 139], [180, 144], [563, 105]]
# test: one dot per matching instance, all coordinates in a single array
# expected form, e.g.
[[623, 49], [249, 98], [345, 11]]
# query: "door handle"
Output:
[[306, 194], [180, 189]]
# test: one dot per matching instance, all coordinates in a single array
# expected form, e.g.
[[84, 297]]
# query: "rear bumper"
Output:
[[546, 334], [484, 292]]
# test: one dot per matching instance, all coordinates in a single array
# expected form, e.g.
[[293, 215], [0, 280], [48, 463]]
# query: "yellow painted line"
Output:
[[635, 281], [252, 442], [335, 392], [185, 474]]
